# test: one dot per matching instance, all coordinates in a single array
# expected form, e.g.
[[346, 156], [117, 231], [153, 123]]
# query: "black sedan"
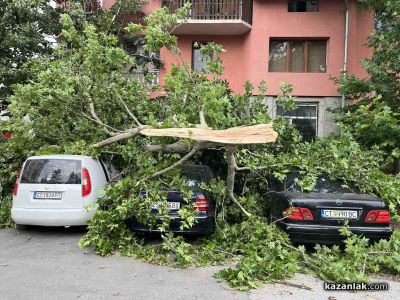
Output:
[[317, 216], [202, 200]]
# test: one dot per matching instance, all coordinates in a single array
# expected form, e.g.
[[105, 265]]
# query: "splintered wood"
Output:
[[256, 134]]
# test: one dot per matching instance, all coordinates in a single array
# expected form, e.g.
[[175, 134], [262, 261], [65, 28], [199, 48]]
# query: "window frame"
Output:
[[200, 43], [289, 42], [304, 104], [296, 1]]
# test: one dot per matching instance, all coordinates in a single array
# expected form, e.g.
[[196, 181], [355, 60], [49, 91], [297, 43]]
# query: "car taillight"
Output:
[[7, 135], [15, 191], [378, 216], [86, 183], [201, 203], [299, 214]]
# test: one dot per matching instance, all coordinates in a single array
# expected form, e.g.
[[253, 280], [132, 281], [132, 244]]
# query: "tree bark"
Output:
[[180, 147], [120, 137], [230, 178]]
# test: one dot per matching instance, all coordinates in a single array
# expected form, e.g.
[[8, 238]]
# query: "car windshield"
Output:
[[52, 171], [323, 185]]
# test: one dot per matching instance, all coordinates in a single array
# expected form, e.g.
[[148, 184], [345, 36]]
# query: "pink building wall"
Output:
[[247, 55]]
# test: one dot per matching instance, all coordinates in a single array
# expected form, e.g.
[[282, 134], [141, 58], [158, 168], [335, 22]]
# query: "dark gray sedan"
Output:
[[317, 216]]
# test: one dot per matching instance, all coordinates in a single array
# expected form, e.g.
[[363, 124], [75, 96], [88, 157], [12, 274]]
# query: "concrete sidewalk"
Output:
[[47, 264]]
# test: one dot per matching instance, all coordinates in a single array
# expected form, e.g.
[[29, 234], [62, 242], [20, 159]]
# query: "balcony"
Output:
[[214, 17]]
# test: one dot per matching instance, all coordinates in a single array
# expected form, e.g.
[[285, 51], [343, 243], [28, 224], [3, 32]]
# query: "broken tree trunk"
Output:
[[206, 138], [256, 134], [230, 178]]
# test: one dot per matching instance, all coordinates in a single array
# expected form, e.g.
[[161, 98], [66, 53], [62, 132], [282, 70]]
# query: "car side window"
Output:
[[105, 171], [274, 185]]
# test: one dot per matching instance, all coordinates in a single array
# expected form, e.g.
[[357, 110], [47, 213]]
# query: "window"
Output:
[[148, 63], [304, 118], [199, 62], [52, 171], [297, 56], [91, 6], [303, 6]]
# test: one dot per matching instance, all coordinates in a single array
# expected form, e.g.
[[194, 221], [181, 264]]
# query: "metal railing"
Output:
[[150, 79], [215, 9]]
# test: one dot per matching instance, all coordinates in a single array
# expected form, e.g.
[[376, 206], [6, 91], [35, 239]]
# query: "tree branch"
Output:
[[230, 178], [120, 137], [177, 164], [173, 166], [179, 147], [97, 120], [202, 117], [130, 113]]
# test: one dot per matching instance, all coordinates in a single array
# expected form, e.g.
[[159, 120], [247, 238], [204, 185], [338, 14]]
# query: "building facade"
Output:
[[301, 42]]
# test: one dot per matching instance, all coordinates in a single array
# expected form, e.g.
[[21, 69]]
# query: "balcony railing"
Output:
[[217, 10]]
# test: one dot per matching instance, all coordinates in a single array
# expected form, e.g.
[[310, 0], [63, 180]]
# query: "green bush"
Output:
[[5, 213]]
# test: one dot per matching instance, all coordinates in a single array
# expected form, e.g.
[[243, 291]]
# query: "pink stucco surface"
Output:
[[247, 55]]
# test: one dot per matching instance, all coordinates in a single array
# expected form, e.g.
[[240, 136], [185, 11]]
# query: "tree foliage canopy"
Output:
[[24, 26], [375, 118]]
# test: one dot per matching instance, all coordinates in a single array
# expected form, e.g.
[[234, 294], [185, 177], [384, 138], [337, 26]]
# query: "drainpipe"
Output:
[[346, 43]]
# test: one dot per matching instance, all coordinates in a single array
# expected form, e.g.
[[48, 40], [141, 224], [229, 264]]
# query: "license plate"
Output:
[[338, 214], [171, 206], [47, 195]]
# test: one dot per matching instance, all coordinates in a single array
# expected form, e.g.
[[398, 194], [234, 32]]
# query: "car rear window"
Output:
[[52, 171], [323, 185], [196, 176]]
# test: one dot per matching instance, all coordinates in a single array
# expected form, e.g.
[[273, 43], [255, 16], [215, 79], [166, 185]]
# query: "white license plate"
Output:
[[171, 206], [338, 214], [47, 195]]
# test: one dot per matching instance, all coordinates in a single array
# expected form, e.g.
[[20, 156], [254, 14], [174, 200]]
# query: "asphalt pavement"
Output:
[[45, 263]]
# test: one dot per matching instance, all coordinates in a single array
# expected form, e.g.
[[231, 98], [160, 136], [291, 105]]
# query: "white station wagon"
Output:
[[59, 190]]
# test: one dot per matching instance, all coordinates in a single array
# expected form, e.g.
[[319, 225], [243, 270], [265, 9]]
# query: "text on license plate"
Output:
[[338, 214], [47, 195], [171, 206]]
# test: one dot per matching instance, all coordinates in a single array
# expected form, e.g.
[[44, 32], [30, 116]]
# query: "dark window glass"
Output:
[[316, 57], [199, 61], [297, 56], [307, 128], [196, 175], [304, 118], [323, 185], [52, 171], [296, 63], [277, 56], [303, 6]]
